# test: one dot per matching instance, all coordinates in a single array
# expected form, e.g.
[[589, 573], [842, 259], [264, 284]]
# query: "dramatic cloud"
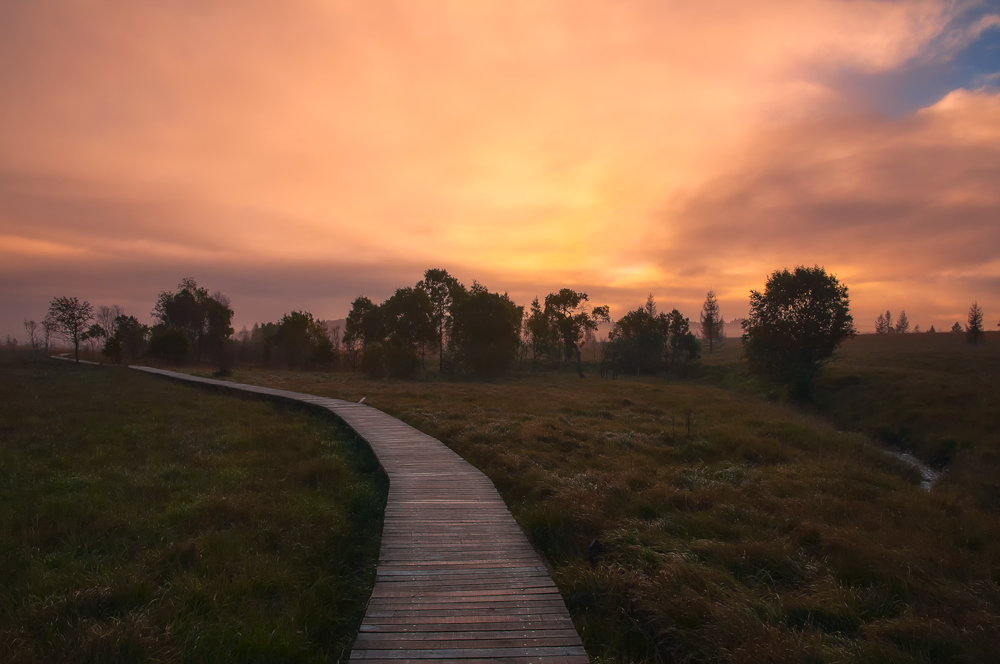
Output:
[[295, 157]]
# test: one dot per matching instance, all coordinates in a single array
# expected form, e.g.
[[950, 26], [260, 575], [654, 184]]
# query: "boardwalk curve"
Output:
[[457, 580]]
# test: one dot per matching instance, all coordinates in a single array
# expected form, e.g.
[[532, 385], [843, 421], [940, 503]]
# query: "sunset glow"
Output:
[[295, 157]]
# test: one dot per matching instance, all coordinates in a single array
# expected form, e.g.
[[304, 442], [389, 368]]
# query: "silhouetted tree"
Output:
[[70, 318], [795, 325], [713, 325], [568, 317], [681, 341], [638, 341], [486, 331], [975, 332], [957, 328], [883, 324], [304, 340], [363, 325], [902, 323], [539, 333], [441, 288], [31, 329], [106, 317], [205, 318], [409, 315], [932, 330], [128, 339], [49, 327], [93, 334], [170, 343]]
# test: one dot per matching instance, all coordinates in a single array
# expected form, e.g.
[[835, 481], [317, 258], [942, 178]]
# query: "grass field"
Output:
[[734, 527], [141, 520], [930, 394]]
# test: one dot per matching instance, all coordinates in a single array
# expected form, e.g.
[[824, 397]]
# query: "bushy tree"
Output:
[[713, 325], [795, 326], [206, 319], [303, 340], [637, 341], [169, 343], [363, 325], [409, 316], [442, 289], [682, 343], [975, 332], [569, 317], [70, 318], [127, 341], [486, 330]]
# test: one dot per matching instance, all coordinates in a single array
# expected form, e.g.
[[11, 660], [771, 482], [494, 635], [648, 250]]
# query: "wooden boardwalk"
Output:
[[457, 580]]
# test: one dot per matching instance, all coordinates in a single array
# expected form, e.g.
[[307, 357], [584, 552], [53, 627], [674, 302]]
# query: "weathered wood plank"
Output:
[[457, 580]]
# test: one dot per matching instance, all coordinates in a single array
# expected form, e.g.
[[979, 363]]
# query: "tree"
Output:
[[883, 323], [539, 333], [304, 340], [441, 288], [932, 330], [568, 318], [902, 323], [713, 325], [638, 341], [486, 331], [70, 318], [107, 316], [32, 330], [956, 328], [171, 343], [128, 339], [680, 340], [975, 332], [49, 327], [93, 334], [409, 316], [363, 325], [205, 318], [795, 326]]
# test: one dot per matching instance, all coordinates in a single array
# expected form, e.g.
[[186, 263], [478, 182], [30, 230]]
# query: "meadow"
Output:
[[142, 520], [706, 519]]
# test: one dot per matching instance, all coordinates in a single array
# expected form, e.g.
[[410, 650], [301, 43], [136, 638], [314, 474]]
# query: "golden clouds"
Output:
[[626, 146]]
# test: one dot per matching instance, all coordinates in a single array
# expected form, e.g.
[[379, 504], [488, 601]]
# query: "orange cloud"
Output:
[[533, 145]]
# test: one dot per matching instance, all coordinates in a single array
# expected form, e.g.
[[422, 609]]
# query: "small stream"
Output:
[[928, 476]]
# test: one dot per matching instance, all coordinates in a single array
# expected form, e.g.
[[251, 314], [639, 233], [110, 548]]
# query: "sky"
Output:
[[296, 155]]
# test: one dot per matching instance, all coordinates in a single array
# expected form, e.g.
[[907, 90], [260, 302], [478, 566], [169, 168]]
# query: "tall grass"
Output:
[[142, 520], [686, 522]]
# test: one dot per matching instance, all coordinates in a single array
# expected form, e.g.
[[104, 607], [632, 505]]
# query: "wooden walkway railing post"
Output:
[[457, 580]]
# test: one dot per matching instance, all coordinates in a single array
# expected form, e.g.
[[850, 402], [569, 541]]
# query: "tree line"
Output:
[[793, 328]]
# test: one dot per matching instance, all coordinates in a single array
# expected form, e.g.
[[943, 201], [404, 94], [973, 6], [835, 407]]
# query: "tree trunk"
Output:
[[579, 363]]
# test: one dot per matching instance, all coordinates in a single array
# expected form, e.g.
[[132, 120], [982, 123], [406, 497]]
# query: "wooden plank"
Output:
[[457, 580]]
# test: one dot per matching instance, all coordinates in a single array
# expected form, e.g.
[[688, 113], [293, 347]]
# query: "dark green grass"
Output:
[[142, 520], [761, 533]]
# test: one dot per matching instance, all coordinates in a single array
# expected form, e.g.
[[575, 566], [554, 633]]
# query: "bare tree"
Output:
[[107, 318], [713, 325], [71, 318], [974, 331], [49, 328], [31, 327], [902, 323]]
